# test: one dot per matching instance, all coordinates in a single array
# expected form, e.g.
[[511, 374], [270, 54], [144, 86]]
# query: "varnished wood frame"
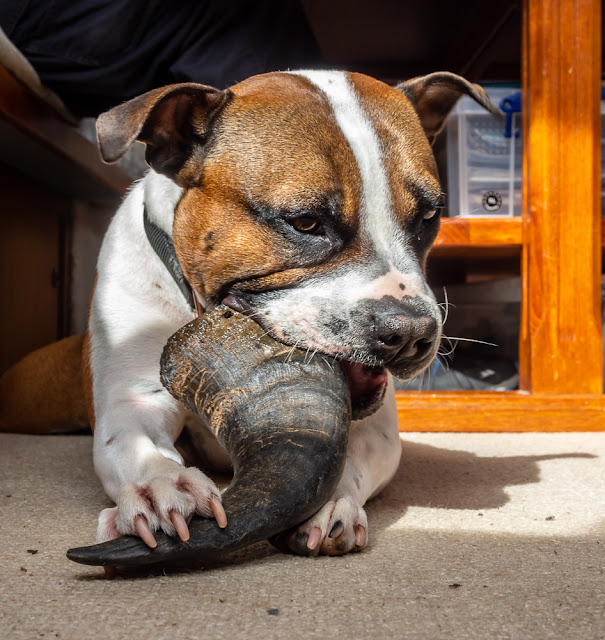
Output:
[[561, 349]]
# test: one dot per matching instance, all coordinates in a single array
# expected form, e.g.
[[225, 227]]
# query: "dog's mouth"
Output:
[[367, 386], [367, 383]]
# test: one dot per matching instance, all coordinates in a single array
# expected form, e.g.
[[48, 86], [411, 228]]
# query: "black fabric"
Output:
[[98, 53], [162, 244]]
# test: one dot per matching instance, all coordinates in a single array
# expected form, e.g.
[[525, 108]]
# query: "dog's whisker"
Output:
[[446, 307], [446, 354], [262, 335], [446, 357], [490, 344], [427, 374], [292, 350], [449, 340], [450, 345], [442, 359], [328, 362], [249, 315], [422, 380]]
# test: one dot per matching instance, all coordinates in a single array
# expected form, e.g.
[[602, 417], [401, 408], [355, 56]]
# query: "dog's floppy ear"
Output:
[[435, 95], [169, 120]]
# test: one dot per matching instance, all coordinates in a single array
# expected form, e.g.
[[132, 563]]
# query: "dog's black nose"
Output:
[[402, 331]]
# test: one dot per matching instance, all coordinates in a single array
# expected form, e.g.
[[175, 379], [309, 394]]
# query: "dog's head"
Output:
[[310, 201]]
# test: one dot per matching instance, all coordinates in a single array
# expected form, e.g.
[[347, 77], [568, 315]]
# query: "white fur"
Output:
[[137, 422], [136, 307], [294, 312], [376, 212]]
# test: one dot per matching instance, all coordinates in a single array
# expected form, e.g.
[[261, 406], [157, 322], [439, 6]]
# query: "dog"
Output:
[[308, 200]]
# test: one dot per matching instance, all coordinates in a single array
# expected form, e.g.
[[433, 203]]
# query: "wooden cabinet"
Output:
[[559, 237], [33, 264], [44, 165]]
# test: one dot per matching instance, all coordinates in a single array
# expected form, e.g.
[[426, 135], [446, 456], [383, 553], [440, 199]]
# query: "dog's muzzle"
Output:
[[398, 335], [404, 334]]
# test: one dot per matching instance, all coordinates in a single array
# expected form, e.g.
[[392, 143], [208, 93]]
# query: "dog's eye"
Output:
[[427, 224], [307, 224]]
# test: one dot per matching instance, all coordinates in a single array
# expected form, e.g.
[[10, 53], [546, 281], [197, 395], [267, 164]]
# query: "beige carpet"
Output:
[[479, 536]]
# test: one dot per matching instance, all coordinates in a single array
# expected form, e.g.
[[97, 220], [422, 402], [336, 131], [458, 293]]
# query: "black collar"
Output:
[[164, 247]]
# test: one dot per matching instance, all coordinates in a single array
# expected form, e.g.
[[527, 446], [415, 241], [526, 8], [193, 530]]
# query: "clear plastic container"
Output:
[[484, 165]]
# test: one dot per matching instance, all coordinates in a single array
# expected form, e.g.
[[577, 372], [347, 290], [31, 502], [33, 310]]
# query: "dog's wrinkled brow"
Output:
[[308, 204], [428, 194]]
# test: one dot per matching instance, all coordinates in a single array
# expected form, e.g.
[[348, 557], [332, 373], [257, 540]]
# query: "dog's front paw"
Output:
[[166, 501], [339, 527]]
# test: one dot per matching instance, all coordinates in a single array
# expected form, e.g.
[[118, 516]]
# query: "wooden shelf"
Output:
[[479, 232], [479, 237], [499, 411], [458, 236]]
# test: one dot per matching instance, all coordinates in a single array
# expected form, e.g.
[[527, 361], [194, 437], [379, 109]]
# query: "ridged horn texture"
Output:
[[282, 416]]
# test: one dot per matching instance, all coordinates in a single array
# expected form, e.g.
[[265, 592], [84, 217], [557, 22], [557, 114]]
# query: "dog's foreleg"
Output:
[[137, 423], [143, 473]]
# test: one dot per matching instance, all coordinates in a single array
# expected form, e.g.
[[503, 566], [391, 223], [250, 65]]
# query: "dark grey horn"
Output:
[[282, 416]]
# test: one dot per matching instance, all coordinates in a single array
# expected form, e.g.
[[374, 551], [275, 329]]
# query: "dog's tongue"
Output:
[[367, 386]]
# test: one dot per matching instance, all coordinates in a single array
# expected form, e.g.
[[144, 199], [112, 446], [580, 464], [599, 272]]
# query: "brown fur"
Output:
[[43, 392], [86, 370], [255, 147], [434, 95], [293, 159]]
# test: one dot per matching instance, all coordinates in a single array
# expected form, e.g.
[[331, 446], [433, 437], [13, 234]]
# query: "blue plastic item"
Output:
[[510, 105]]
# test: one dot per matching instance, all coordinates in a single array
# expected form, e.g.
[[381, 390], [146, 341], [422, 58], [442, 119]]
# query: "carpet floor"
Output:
[[478, 536]]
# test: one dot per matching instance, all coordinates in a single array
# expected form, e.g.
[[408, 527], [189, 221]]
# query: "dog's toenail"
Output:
[[301, 539]]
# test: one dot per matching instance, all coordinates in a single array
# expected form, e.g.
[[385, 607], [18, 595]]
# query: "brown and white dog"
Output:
[[308, 200]]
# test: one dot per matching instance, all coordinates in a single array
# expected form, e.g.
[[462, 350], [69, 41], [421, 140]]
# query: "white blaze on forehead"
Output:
[[376, 208]]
